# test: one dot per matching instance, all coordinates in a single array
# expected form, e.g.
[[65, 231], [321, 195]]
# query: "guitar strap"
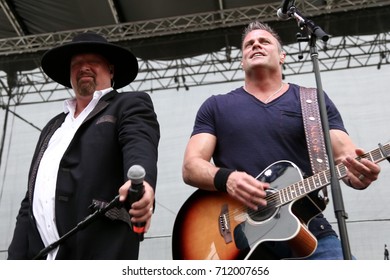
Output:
[[313, 131]]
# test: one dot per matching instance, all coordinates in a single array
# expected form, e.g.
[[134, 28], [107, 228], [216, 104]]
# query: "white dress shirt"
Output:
[[45, 185]]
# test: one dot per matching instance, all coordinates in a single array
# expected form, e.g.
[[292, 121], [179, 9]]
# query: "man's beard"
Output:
[[86, 89]]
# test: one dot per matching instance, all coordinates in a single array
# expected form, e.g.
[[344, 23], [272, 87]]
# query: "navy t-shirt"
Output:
[[252, 135]]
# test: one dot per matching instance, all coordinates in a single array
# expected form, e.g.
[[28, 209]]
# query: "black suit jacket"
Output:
[[121, 131]]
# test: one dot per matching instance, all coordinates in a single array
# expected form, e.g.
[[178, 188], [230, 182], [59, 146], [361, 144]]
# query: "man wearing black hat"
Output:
[[83, 156]]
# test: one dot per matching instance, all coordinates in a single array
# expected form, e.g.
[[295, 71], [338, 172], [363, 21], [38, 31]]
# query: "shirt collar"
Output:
[[70, 104]]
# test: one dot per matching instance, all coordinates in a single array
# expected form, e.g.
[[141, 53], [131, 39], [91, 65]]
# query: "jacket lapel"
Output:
[[102, 104], [41, 150]]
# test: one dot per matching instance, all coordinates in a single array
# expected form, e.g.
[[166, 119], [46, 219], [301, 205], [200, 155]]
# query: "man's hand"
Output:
[[141, 211]]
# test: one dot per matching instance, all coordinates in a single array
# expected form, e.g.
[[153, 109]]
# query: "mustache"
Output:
[[82, 74]]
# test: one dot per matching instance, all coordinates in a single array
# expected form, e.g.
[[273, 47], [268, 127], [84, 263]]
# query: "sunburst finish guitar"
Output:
[[212, 225]]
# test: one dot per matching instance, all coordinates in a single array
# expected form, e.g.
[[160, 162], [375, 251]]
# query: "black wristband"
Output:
[[221, 178]]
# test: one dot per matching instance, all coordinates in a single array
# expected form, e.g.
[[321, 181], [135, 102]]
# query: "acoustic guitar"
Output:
[[213, 225]]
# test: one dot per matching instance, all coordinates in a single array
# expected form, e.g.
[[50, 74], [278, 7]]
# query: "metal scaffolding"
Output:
[[223, 18], [33, 86], [219, 67]]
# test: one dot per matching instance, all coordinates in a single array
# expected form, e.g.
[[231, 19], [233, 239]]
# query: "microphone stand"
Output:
[[315, 32], [100, 209]]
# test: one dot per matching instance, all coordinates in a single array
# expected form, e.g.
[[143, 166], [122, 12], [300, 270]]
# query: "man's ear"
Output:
[[282, 57]]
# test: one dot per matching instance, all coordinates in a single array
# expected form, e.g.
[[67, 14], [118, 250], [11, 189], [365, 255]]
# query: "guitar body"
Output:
[[212, 225]]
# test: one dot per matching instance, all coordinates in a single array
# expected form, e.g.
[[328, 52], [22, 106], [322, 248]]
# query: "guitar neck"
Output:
[[323, 178]]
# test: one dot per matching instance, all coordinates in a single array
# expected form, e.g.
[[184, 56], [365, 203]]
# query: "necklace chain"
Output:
[[272, 95]]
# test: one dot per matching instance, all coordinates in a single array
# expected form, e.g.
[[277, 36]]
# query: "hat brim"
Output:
[[56, 62]]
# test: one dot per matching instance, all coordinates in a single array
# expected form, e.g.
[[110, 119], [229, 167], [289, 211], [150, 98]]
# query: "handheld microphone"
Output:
[[136, 174]]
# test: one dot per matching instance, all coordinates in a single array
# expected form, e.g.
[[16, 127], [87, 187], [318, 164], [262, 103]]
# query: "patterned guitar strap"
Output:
[[314, 132]]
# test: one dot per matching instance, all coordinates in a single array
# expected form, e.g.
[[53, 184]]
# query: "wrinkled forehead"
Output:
[[259, 33]]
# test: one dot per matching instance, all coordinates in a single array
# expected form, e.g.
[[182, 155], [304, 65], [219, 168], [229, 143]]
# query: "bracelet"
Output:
[[221, 177]]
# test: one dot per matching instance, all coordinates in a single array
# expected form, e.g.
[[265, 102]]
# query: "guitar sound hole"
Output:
[[264, 213]]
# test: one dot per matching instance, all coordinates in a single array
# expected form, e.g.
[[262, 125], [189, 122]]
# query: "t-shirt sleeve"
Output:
[[334, 117], [204, 121]]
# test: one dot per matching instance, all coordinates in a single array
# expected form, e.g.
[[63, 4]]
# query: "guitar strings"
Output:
[[274, 201], [244, 210]]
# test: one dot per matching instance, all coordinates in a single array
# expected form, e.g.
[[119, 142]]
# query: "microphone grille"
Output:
[[136, 174], [281, 15]]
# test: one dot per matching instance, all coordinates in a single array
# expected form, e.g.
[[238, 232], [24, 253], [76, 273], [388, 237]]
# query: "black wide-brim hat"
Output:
[[56, 62]]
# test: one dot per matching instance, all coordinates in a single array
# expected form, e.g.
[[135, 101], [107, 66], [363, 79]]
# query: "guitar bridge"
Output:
[[224, 224]]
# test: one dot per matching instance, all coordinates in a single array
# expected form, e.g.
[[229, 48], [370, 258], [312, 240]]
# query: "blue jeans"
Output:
[[329, 248]]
